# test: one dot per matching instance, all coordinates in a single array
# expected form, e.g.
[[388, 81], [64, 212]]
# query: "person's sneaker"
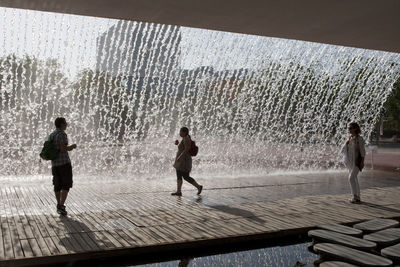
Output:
[[179, 194], [61, 210], [199, 190], [355, 200]]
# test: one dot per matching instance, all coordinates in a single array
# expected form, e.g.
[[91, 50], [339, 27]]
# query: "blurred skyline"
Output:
[[72, 40]]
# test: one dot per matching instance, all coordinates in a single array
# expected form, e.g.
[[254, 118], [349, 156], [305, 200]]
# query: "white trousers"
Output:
[[355, 187]]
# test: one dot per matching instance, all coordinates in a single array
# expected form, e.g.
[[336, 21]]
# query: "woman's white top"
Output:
[[350, 151]]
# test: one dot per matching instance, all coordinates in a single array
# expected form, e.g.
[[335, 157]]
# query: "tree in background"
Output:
[[30, 90]]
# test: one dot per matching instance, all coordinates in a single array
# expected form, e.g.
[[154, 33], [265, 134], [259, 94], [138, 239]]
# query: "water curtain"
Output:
[[253, 104]]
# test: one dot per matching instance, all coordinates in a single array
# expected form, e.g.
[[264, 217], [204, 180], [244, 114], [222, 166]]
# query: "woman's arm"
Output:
[[344, 147]]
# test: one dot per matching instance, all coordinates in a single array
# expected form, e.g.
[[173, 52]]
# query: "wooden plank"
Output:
[[201, 227], [25, 228], [52, 245], [44, 221], [352, 256], [341, 229], [138, 240], [3, 223], [215, 227], [376, 225], [63, 243], [167, 234], [84, 241], [156, 235], [16, 210], [69, 224], [99, 242], [256, 224], [55, 226], [148, 236], [86, 230], [96, 222], [86, 220], [385, 237], [179, 231], [71, 243], [12, 228], [276, 221], [318, 218], [24, 213], [34, 245], [341, 239], [189, 228], [2, 250], [120, 237], [5, 229], [8, 247], [100, 236], [36, 220], [392, 252], [112, 238], [128, 237], [357, 212], [26, 248], [99, 218], [337, 214], [336, 264], [15, 242], [38, 237], [45, 251]]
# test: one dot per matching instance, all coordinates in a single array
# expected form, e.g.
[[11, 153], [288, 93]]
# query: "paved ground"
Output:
[[384, 158], [120, 217]]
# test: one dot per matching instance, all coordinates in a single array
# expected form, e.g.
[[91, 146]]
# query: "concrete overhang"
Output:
[[370, 24]]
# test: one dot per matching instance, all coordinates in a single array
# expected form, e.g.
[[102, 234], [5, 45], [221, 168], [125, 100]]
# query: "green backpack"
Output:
[[49, 150]]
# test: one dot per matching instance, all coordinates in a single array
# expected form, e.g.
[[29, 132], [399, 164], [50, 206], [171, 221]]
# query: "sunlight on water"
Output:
[[271, 257]]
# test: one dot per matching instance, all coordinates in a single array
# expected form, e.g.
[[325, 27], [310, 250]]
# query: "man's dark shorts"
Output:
[[62, 177]]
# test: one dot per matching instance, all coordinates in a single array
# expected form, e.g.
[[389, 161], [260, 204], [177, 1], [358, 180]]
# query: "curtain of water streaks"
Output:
[[253, 104]]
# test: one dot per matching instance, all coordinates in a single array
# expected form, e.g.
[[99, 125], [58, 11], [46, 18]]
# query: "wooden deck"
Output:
[[116, 219]]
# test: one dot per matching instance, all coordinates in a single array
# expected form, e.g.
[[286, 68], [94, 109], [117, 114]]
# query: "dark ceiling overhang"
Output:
[[370, 24]]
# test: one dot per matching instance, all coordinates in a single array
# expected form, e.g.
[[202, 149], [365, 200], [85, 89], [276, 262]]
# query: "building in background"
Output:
[[148, 55]]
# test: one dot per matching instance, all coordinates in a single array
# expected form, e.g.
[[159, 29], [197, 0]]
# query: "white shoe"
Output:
[[355, 200]]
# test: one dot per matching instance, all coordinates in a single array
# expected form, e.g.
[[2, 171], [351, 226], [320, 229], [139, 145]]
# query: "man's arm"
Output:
[[65, 148], [62, 140]]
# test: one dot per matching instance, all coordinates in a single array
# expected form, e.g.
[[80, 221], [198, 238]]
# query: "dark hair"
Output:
[[59, 121], [355, 126], [185, 130]]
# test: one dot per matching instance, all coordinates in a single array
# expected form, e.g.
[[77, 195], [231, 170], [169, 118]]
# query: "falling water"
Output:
[[254, 104]]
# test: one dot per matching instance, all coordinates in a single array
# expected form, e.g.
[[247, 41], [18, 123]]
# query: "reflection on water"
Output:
[[293, 255]]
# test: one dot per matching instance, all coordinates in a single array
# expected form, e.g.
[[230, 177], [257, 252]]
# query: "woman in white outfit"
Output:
[[354, 155]]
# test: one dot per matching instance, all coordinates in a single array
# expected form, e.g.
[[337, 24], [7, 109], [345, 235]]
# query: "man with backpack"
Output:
[[61, 164]]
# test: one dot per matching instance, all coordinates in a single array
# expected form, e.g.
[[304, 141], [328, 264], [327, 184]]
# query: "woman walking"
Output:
[[183, 163], [354, 154]]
